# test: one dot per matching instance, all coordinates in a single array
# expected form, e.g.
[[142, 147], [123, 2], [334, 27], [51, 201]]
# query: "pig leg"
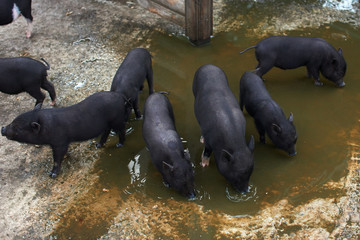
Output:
[[314, 72], [26, 12], [136, 109], [127, 113], [58, 155], [261, 131], [149, 78], [29, 28], [38, 95], [241, 102], [205, 157], [103, 138], [264, 66], [121, 136], [48, 86]]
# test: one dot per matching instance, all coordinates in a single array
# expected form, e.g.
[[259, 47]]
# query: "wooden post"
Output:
[[199, 20], [195, 15]]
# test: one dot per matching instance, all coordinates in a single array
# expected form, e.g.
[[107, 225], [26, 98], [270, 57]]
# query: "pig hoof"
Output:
[[292, 154], [205, 161], [53, 175], [53, 103], [342, 84], [202, 139], [139, 118], [98, 145], [318, 83], [119, 145]]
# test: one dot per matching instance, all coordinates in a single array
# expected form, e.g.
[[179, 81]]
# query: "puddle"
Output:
[[313, 195]]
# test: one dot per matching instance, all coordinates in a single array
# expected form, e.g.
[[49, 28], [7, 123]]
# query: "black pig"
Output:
[[267, 114], [165, 146], [293, 52], [222, 126], [23, 74], [58, 127], [10, 10], [129, 78]]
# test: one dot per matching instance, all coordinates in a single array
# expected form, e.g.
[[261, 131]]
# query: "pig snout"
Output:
[[3, 131], [242, 189], [245, 190], [291, 154], [340, 83], [191, 196]]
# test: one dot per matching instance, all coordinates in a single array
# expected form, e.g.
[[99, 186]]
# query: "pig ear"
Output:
[[167, 166], [276, 128], [291, 118], [340, 52], [36, 127], [225, 155], [251, 144]]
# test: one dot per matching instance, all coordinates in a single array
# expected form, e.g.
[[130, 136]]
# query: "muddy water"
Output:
[[130, 190]]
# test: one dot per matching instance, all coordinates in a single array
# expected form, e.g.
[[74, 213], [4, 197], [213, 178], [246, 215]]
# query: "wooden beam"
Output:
[[199, 21], [177, 6], [173, 10]]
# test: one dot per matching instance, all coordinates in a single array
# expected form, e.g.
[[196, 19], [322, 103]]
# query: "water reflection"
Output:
[[342, 5], [236, 197], [134, 169]]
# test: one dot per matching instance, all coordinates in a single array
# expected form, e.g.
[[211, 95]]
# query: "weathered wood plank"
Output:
[[177, 6], [173, 10], [199, 20]]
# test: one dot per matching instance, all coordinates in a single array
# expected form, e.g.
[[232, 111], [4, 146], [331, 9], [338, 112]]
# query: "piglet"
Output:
[[268, 115], [222, 126], [10, 10], [292, 52], [165, 146], [58, 127], [23, 74], [129, 78]]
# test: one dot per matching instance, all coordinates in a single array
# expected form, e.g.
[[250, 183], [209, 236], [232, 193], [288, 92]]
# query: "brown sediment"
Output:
[[78, 40]]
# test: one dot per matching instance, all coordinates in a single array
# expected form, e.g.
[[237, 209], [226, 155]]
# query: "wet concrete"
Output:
[[84, 42]]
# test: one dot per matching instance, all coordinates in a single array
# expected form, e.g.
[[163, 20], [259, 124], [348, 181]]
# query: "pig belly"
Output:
[[5, 17], [82, 131], [9, 15], [11, 88]]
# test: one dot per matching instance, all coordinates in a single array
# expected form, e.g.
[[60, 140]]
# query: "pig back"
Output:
[[6, 12], [86, 119], [253, 92], [159, 124], [216, 108], [132, 72], [20, 73]]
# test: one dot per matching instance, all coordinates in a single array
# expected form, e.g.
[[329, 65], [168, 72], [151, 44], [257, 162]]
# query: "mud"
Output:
[[84, 44]]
